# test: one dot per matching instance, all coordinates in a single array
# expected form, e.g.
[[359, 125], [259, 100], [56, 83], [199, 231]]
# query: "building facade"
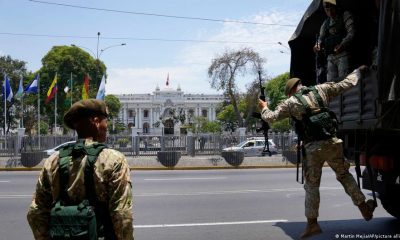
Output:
[[166, 109]]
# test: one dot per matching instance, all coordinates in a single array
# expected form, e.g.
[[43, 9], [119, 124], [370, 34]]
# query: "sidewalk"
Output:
[[185, 162]]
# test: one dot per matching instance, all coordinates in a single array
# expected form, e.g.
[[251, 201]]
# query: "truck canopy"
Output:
[[377, 25]]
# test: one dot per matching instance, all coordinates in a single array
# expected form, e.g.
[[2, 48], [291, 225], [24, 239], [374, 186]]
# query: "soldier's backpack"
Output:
[[315, 126], [84, 220]]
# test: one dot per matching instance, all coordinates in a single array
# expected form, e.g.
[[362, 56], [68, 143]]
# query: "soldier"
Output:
[[111, 176], [307, 106], [336, 35]]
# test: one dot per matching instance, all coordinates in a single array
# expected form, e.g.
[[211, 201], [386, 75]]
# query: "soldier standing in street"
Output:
[[336, 35], [316, 128], [111, 177]]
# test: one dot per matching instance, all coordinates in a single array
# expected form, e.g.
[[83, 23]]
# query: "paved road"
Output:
[[248, 204]]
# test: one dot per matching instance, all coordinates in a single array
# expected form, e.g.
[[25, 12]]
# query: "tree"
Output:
[[66, 60], [224, 70], [202, 125], [15, 69], [113, 105], [276, 92], [275, 89]]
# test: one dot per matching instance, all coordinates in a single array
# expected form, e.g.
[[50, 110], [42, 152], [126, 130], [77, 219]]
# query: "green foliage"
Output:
[[15, 69], [275, 89], [202, 125], [282, 125], [44, 127], [118, 127], [227, 117], [113, 105], [65, 60], [123, 141]]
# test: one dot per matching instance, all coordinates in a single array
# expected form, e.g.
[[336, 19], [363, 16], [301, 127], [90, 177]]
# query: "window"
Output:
[[131, 114], [146, 113], [204, 113]]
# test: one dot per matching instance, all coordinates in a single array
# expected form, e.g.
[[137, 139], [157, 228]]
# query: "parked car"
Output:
[[53, 150], [253, 147]]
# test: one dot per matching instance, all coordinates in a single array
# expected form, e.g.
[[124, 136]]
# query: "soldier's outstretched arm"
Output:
[[334, 89], [120, 197]]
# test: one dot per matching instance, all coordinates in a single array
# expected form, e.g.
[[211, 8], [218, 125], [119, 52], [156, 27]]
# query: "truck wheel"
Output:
[[389, 193]]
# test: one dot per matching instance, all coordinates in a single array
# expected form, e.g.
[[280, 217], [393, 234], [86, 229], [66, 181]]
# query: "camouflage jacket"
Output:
[[112, 185], [292, 107]]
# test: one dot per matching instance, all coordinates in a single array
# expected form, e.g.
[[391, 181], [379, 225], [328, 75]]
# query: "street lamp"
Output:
[[116, 45], [280, 43], [86, 48]]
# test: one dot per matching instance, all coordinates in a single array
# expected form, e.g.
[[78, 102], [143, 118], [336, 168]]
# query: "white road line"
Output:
[[230, 192], [16, 196], [208, 224], [182, 179], [4, 181]]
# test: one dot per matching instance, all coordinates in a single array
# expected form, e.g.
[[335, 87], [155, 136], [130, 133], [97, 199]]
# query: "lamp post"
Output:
[[116, 45]]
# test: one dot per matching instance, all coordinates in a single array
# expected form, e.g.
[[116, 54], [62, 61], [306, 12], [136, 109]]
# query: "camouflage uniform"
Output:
[[111, 182], [339, 30], [317, 152]]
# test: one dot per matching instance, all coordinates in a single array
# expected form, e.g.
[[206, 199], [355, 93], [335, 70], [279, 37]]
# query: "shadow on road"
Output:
[[347, 229]]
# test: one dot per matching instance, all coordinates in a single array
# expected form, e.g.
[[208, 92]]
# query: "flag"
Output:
[[85, 87], [167, 83], [66, 89], [102, 89], [33, 86], [7, 91], [52, 90], [20, 91]]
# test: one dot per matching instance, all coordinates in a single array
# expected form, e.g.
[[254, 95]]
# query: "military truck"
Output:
[[369, 114]]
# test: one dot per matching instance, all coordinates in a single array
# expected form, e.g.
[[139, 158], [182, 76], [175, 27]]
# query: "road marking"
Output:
[[230, 192], [4, 181], [209, 224], [182, 179], [16, 196]]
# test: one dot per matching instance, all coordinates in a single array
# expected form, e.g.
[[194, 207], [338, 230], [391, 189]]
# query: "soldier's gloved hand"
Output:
[[339, 48], [363, 69]]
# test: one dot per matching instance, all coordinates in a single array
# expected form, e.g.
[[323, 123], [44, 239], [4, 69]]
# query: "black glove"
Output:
[[363, 70]]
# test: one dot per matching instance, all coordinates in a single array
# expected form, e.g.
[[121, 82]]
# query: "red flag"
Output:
[[167, 83], [85, 87]]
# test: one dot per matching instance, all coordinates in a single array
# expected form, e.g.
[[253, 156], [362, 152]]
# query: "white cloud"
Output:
[[194, 60]]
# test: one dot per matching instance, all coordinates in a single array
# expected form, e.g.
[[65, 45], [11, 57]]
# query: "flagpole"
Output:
[[55, 106], [38, 86], [22, 105], [5, 113], [71, 89]]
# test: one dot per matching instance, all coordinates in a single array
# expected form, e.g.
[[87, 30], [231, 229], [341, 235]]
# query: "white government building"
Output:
[[141, 112]]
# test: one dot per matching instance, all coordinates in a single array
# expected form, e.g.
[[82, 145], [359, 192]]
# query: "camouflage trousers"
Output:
[[317, 153], [338, 67]]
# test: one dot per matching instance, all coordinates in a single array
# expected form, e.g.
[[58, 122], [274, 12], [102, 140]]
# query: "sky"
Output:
[[156, 45]]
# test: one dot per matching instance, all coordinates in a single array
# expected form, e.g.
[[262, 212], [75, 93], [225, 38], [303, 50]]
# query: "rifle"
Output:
[[264, 125], [320, 64]]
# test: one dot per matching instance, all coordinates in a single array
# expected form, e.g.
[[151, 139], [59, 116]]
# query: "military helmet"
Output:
[[333, 2], [290, 84], [83, 109]]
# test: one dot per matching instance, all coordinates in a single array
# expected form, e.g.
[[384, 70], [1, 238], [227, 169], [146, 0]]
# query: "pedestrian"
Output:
[[307, 106], [335, 37], [110, 178]]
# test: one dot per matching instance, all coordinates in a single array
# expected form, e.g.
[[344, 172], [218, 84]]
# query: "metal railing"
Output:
[[145, 145]]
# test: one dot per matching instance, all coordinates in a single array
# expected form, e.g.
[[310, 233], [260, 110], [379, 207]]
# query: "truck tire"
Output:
[[389, 192]]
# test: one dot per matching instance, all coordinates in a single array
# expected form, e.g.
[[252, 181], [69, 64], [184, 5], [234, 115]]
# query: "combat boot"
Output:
[[312, 228], [367, 209]]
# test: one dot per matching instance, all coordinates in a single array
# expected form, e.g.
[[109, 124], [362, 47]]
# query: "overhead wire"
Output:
[[131, 38], [161, 15]]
